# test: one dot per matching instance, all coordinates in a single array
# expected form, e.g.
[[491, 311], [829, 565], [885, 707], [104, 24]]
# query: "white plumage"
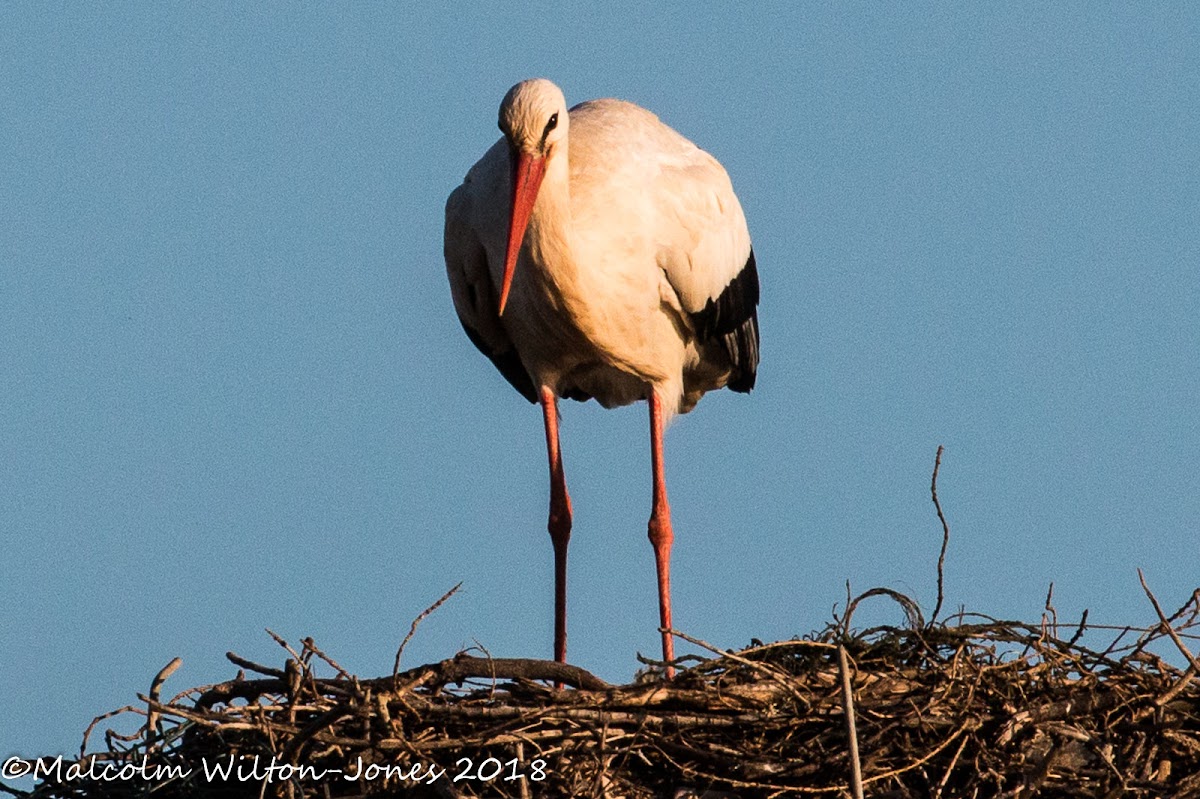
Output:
[[629, 271]]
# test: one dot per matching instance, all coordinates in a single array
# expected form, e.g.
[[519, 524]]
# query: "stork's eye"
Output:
[[550, 125]]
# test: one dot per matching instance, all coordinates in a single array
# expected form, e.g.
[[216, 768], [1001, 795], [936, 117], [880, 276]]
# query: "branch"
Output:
[[937, 463]]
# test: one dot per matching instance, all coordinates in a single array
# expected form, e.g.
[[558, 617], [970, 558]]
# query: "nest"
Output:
[[968, 707]]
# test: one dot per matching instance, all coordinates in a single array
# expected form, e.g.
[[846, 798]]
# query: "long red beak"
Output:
[[528, 171]]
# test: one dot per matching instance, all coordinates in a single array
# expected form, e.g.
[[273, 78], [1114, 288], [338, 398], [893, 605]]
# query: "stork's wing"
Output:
[[710, 263], [475, 295]]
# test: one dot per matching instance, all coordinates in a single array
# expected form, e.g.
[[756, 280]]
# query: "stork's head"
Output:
[[533, 118]]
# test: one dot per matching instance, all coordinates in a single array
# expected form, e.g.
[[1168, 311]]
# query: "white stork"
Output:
[[596, 253]]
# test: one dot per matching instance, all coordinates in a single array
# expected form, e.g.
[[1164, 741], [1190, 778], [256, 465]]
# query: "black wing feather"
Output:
[[733, 317], [508, 363]]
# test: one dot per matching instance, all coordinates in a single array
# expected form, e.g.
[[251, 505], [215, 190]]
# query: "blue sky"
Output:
[[235, 394]]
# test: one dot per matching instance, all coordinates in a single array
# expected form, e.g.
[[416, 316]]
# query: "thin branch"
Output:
[[413, 629], [1079, 632], [152, 726], [283, 643], [1053, 617], [851, 732], [1167, 625], [311, 646], [238, 660], [941, 564]]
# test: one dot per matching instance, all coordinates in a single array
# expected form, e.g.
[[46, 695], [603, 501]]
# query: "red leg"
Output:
[[661, 534], [559, 524]]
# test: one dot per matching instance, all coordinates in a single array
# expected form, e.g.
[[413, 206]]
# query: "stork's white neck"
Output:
[[550, 237]]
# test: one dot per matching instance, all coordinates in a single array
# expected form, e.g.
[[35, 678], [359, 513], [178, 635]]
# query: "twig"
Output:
[[524, 786], [413, 629], [327, 719], [465, 667], [1176, 689], [772, 673], [1167, 625], [88, 732], [1079, 632], [911, 609], [1053, 617], [921, 760], [238, 660], [953, 761], [283, 643], [152, 720], [851, 732], [941, 564], [311, 646]]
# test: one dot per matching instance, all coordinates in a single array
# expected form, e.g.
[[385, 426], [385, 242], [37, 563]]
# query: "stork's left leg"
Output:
[[661, 534], [559, 523]]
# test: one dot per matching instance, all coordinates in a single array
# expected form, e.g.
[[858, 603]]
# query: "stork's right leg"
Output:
[[661, 532], [559, 524]]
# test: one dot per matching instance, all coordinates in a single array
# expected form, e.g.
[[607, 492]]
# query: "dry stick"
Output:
[[937, 462], [1177, 688], [491, 663], [311, 646], [88, 732], [1194, 602], [911, 609], [238, 660], [962, 617], [851, 733], [1052, 611], [329, 719], [280, 640], [845, 623], [923, 759], [296, 673], [801, 789], [152, 720], [523, 784], [737, 655], [413, 629], [1167, 625], [1079, 632], [774, 674], [213, 720], [946, 777], [642, 719], [463, 667]]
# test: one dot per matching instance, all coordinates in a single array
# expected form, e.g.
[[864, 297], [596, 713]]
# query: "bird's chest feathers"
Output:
[[589, 294], [583, 308]]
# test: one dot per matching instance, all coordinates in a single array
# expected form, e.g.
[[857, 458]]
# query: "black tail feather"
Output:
[[733, 317]]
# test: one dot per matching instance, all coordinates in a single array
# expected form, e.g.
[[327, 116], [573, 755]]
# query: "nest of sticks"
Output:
[[968, 707]]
